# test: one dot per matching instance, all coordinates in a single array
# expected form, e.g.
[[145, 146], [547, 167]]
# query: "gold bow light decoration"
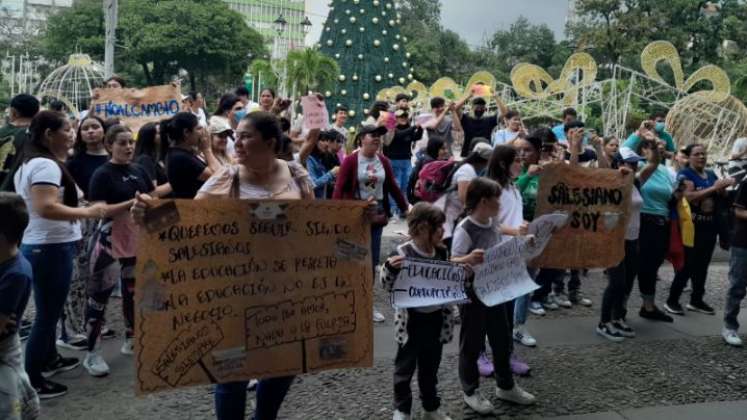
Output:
[[664, 51], [533, 82], [444, 87]]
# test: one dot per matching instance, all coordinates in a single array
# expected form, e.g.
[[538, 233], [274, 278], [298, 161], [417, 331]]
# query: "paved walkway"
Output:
[[670, 371]]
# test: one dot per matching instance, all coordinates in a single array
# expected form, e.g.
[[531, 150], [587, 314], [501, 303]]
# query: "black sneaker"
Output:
[[674, 308], [655, 315], [609, 332], [624, 329], [62, 364], [48, 389], [107, 334], [701, 307]]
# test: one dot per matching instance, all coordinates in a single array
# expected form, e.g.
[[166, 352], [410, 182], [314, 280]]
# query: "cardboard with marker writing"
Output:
[[231, 290], [137, 107], [597, 202]]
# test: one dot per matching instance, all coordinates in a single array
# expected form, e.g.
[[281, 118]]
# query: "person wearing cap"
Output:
[[220, 134], [399, 151], [402, 101], [612, 325], [468, 169], [476, 123], [367, 175]]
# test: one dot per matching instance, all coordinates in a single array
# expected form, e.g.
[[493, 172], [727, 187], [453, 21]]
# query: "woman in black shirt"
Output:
[[185, 170]]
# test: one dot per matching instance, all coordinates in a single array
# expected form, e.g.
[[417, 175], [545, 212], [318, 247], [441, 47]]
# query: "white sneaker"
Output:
[[561, 299], [398, 415], [731, 337], [128, 347], [515, 395], [550, 303], [435, 415], [95, 364], [536, 308], [522, 336], [477, 403], [378, 316]]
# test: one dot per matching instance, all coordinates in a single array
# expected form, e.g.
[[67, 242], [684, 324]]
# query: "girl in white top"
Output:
[[504, 167], [514, 127], [453, 200], [50, 240]]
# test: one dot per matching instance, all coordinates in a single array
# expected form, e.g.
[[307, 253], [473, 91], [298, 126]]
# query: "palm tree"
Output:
[[310, 70], [264, 71]]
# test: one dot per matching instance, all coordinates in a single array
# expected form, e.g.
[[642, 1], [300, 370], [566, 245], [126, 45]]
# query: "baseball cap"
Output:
[[371, 129], [627, 155], [219, 125], [483, 150]]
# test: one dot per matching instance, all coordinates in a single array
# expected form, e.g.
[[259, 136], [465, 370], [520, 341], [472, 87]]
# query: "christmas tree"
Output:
[[363, 37]]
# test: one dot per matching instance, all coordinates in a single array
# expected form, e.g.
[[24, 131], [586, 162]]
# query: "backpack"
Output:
[[435, 179]]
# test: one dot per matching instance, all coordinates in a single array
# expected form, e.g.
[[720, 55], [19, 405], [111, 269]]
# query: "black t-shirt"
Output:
[[476, 127], [740, 225], [183, 169], [155, 170], [11, 143], [115, 184], [15, 289], [82, 166], [401, 146]]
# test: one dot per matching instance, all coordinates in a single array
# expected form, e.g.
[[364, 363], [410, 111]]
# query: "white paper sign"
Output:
[[503, 276], [542, 228], [423, 283], [315, 114]]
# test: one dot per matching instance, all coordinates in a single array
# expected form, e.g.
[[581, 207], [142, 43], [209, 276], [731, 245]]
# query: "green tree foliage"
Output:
[[158, 38], [523, 42], [310, 70]]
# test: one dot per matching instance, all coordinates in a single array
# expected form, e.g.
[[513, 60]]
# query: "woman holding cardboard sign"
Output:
[[258, 174], [367, 175]]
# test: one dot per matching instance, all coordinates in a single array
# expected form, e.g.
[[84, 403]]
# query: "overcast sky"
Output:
[[473, 19]]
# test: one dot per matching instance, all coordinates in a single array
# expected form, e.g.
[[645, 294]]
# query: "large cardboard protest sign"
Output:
[[231, 290], [422, 283], [136, 107], [503, 276], [597, 202]]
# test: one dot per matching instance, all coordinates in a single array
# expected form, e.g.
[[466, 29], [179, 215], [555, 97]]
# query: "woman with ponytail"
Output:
[[185, 170], [50, 240]]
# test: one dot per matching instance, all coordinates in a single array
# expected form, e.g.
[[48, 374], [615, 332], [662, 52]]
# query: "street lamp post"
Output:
[[279, 25]]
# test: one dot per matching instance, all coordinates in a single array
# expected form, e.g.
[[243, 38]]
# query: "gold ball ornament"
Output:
[[347, 11], [407, 54], [376, 2], [360, 56], [391, 23], [409, 76], [352, 19], [349, 43], [343, 92], [343, 31], [376, 43], [375, 20], [356, 1], [386, 59], [384, 32], [366, 96], [401, 80], [341, 77], [395, 47], [355, 77], [377, 77], [329, 42], [362, 29], [351, 114], [390, 75], [328, 94]]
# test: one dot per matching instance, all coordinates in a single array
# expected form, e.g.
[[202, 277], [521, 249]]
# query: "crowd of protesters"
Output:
[[76, 192]]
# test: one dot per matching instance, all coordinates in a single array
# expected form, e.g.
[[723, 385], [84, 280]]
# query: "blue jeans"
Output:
[[402, 169], [737, 286], [521, 307], [230, 398], [52, 266]]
